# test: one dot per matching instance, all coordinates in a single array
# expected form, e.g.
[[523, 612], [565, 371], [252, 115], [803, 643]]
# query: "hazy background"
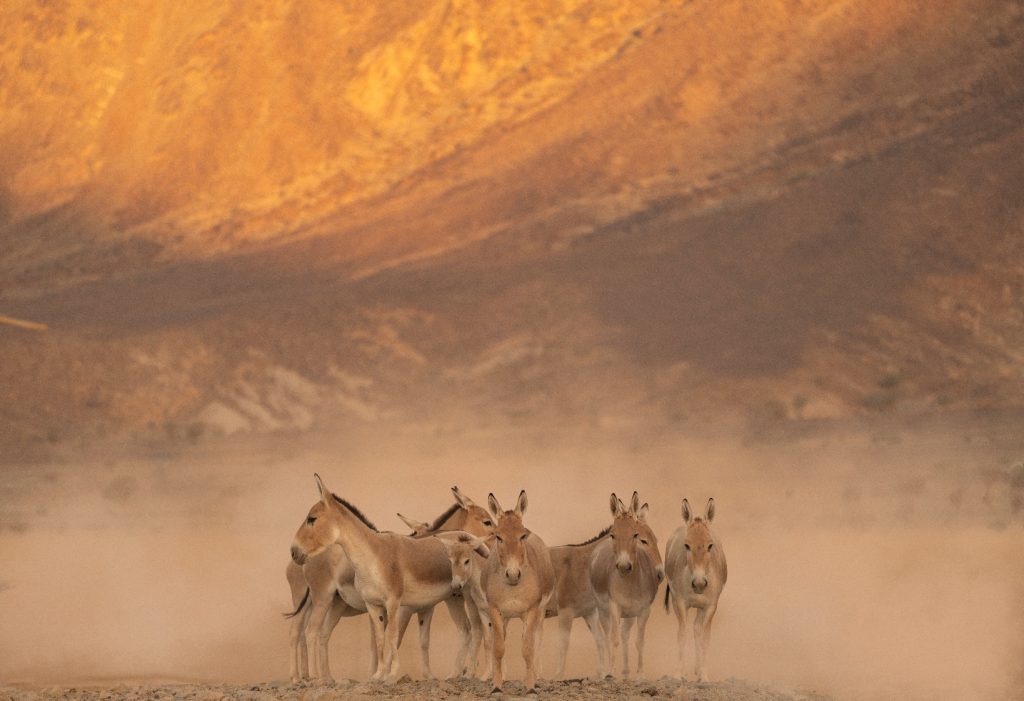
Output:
[[768, 252]]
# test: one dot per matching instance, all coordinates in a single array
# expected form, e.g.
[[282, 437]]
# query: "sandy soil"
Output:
[[410, 690]]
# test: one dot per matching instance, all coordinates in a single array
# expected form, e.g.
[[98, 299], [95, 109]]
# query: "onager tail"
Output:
[[302, 604], [668, 592]]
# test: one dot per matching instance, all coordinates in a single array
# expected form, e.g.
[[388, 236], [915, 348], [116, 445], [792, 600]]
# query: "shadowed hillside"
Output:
[[288, 215]]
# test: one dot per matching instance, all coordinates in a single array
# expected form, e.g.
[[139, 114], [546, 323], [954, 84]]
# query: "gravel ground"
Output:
[[417, 690]]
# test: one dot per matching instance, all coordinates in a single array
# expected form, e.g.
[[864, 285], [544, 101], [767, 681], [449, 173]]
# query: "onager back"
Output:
[[696, 568], [626, 571], [518, 581]]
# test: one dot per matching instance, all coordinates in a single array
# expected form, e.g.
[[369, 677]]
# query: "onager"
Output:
[[575, 597], [468, 556], [518, 581], [626, 571], [323, 591], [391, 572], [696, 568]]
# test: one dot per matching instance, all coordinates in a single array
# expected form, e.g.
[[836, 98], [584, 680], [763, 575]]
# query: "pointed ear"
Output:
[[480, 547], [325, 493], [634, 504], [521, 503], [415, 526], [687, 515], [464, 501], [622, 508], [641, 513], [709, 511], [614, 503], [493, 505]]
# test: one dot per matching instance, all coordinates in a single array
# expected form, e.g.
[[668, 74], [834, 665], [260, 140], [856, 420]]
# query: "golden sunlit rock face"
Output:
[[263, 215]]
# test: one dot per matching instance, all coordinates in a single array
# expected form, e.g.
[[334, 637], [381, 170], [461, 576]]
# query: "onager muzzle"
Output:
[[298, 557]]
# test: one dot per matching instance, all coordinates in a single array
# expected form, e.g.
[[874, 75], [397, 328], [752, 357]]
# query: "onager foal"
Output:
[[626, 571], [392, 571], [518, 581], [696, 568]]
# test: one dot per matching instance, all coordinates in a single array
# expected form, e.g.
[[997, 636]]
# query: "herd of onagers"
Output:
[[488, 567]]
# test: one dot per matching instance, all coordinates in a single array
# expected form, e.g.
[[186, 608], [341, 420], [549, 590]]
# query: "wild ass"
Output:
[[518, 581], [323, 592], [575, 597], [625, 571], [696, 568], [393, 574], [468, 556]]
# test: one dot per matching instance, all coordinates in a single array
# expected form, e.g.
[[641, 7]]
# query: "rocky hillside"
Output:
[[285, 215]]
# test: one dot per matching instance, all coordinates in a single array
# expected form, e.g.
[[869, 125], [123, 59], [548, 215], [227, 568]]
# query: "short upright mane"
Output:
[[355, 512], [599, 536], [439, 521]]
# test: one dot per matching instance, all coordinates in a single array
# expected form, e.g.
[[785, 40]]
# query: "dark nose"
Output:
[[456, 586], [699, 585], [297, 555], [512, 577], [626, 568]]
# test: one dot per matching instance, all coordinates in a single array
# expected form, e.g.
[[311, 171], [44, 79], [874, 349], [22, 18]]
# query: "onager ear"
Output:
[[464, 501], [614, 503], [416, 526], [641, 514], [687, 515], [480, 547], [493, 505], [709, 511], [521, 503], [634, 504], [325, 493]]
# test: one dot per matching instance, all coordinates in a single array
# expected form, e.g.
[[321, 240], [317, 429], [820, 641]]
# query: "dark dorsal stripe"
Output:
[[599, 536], [439, 521], [355, 512]]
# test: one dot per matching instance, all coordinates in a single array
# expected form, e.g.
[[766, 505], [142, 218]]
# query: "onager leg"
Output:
[[564, 632], [425, 617], [497, 622], [320, 605], [702, 636], [605, 617], [458, 613], [627, 626], [641, 632], [530, 637], [614, 628], [476, 634], [299, 663], [377, 614], [334, 613], [680, 610], [374, 647], [594, 624]]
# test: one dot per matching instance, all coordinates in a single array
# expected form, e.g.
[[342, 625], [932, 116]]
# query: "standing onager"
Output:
[[468, 556], [394, 574], [626, 571], [323, 592], [575, 597], [695, 564], [518, 581]]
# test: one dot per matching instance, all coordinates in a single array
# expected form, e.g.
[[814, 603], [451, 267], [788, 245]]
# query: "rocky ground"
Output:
[[417, 690]]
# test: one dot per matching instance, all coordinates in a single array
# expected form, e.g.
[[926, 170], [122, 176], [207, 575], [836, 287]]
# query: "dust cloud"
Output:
[[865, 561]]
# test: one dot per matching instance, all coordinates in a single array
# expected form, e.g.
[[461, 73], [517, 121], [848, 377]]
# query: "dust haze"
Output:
[[866, 561]]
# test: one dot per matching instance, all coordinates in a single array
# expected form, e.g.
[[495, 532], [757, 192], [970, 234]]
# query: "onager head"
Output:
[[631, 536], [320, 528], [510, 537], [476, 520], [418, 528], [460, 555], [699, 544]]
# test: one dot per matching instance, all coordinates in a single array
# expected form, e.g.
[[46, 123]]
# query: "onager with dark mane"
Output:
[[392, 571], [696, 568], [323, 592], [518, 581], [575, 597], [626, 571]]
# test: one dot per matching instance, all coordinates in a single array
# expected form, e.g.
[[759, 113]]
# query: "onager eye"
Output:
[[310, 520], [487, 522], [466, 562], [687, 547], [524, 536], [710, 545], [636, 535], [498, 538], [612, 536], [643, 541]]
